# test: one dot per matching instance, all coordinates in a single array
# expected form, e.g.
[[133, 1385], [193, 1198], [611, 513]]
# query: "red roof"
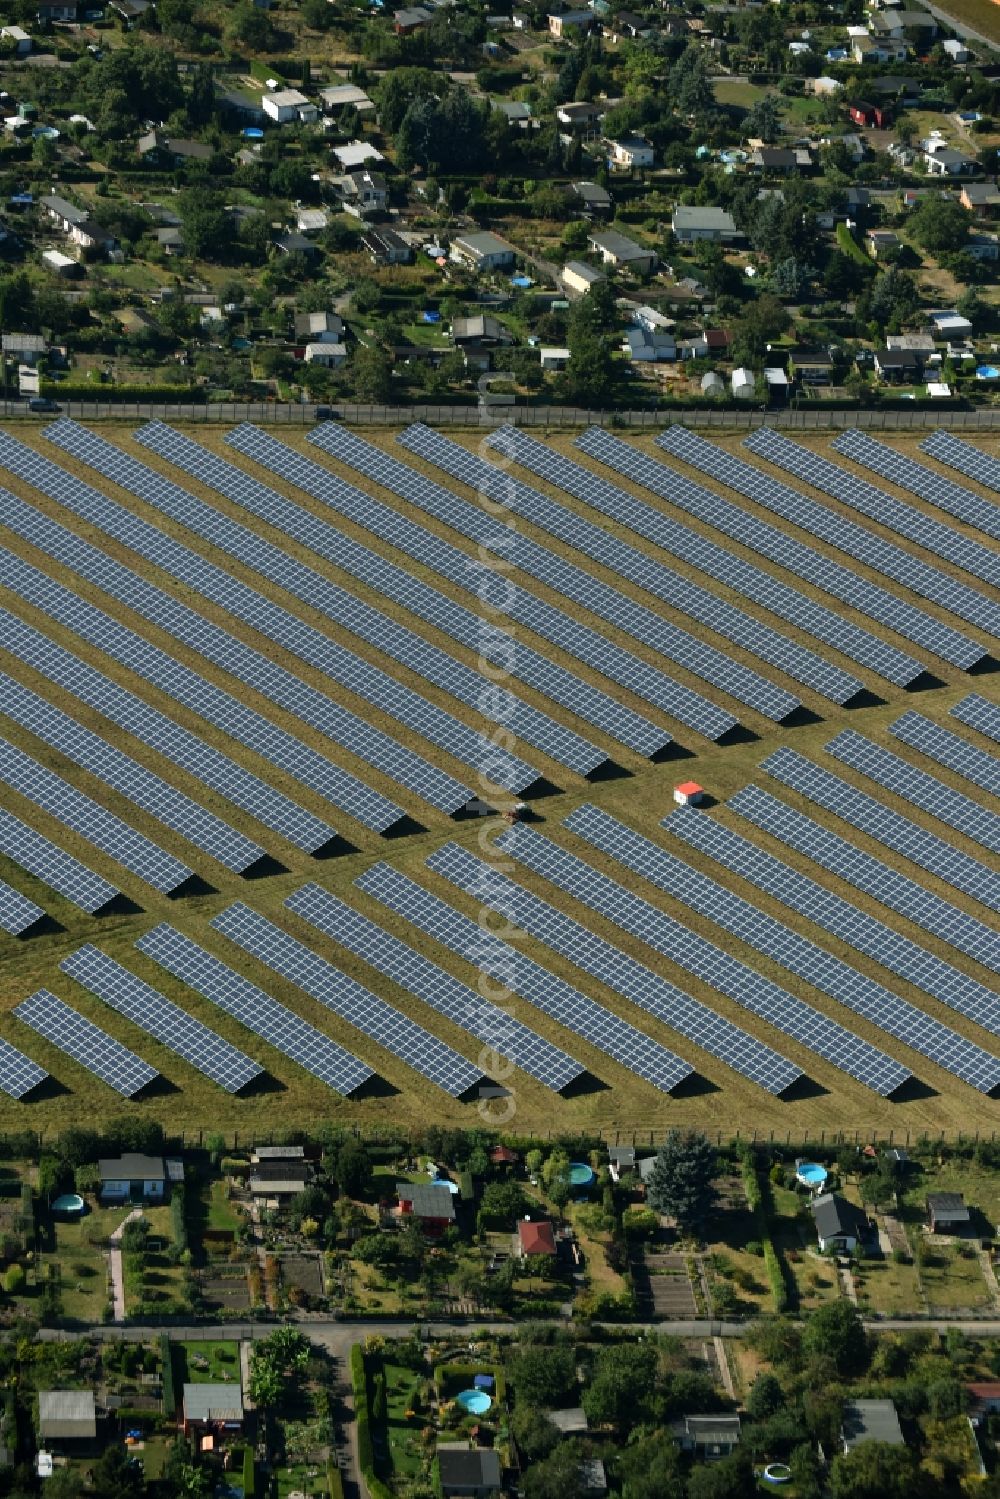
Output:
[[502, 1155], [689, 788], [989, 1390], [536, 1238]]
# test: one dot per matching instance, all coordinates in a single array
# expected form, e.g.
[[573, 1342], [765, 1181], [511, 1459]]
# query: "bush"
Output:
[[167, 1377], [334, 1481], [249, 1474]]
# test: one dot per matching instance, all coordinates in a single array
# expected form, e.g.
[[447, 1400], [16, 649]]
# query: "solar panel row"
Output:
[[935, 536], [913, 785], [602, 599], [964, 457], [803, 1022], [920, 480], [116, 840], [54, 866], [374, 570], [695, 550], [847, 536], [18, 914], [318, 650], [18, 1073], [878, 821], [257, 670], [857, 930], [868, 874], [614, 968], [131, 780], [348, 999], [438, 666], [778, 546], [513, 970], [229, 713], [949, 749], [65, 1028], [189, 751], [151, 1011], [498, 1030], [979, 713], [265, 1017]]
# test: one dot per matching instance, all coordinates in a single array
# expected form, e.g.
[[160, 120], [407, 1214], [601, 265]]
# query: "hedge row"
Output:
[[249, 1474], [366, 1456], [758, 1200], [334, 1481], [178, 1222], [167, 1377], [85, 390]]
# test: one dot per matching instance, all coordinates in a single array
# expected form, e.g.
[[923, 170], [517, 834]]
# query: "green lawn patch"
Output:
[[209, 1362]]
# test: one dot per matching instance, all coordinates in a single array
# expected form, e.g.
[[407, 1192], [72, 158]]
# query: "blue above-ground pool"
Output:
[[987, 372], [580, 1174], [476, 1402], [810, 1174], [253, 133], [69, 1202]]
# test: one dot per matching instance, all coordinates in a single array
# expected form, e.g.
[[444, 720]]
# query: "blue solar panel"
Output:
[[921, 480], [964, 457], [979, 714], [85, 1042], [59, 870], [18, 914], [18, 1073], [950, 750]]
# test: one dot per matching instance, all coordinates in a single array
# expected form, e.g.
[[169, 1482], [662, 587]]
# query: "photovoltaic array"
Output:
[[151, 1011], [935, 536], [920, 480], [874, 878], [964, 457], [18, 1073], [602, 1028], [789, 552], [803, 1022], [345, 997], [949, 749], [496, 1028], [864, 934], [273, 1022], [880, 822], [65, 1028], [18, 914], [48, 862], [693, 549], [979, 714], [614, 968]]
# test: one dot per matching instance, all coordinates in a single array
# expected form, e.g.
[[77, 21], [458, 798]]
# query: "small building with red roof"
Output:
[[535, 1238], [688, 794]]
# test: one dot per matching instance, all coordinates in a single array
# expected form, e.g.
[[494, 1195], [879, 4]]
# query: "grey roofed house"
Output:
[[468, 1470], [691, 222], [646, 1167], [314, 327], [839, 1224], [870, 1421], [594, 198], [213, 1404], [619, 249], [593, 1477], [571, 1422], [947, 1209], [426, 1200], [622, 1156], [294, 242], [386, 245], [133, 1166], [480, 329], [516, 111], [291, 1152], [981, 194], [67, 1416], [711, 1436], [23, 343]]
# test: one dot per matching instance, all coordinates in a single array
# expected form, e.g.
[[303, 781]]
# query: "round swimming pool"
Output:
[[987, 372], [810, 1174], [476, 1402], [69, 1202], [777, 1473], [580, 1174]]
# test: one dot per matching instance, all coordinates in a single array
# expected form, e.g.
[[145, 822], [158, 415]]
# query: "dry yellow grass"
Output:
[[641, 797]]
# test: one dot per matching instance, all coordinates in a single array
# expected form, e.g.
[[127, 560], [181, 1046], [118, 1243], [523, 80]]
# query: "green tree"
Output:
[[352, 1166], [250, 28], [622, 1386], [650, 1468], [731, 1478], [503, 1201], [532, 1430], [14, 1280], [939, 223], [544, 1376], [836, 1331], [558, 1476], [875, 1470], [371, 375], [762, 120], [682, 1181], [766, 1397], [690, 83]]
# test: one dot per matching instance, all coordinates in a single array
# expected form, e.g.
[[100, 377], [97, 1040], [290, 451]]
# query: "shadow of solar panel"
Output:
[[790, 553], [207, 764], [921, 480], [937, 538], [693, 550], [311, 588], [496, 1028], [228, 713], [551, 623], [252, 667], [86, 1043], [964, 457], [103, 829], [913, 785], [877, 880], [18, 914], [853, 540], [388, 525], [949, 749], [879, 1005], [979, 714], [605, 1030], [53, 865], [131, 780], [640, 985], [410, 650], [788, 1014], [274, 1023], [345, 997], [18, 1073], [152, 1012], [880, 822]]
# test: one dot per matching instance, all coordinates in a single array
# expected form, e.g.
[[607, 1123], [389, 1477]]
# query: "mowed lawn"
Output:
[[639, 795]]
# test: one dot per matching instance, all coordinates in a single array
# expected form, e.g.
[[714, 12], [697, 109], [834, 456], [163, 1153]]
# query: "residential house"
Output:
[[871, 116], [590, 199], [410, 19], [386, 247], [571, 23], [950, 324], [690, 224], [957, 51], [593, 1478], [56, 10], [648, 347], [898, 366], [918, 26], [980, 198], [626, 26], [580, 120], [157, 149], [477, 337], [66, 1417], [288, 104], [133, 1178], [272, 1180], [318, 327], [840, 1226], [262, 1153], [516, 113], [578, 277], [311, 220], [813, 366], [27, 348], [327, 355], [941, 160], [630, 152], [484, 251], [882, 244], [363, 192], [709, 1437], [170, 240], [534, 1240], [922, 345], [984, 1399], [356, 154], [780, 160], [948, 1213], [19, 39], [618, 250], [553, 359], [867, 52], [468, 1472], [212, 1408], [130, 11], [77, 224], [294, 243], [432, 1205], [981, 246], [870, 1421], [346, 95], [894, 86]]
